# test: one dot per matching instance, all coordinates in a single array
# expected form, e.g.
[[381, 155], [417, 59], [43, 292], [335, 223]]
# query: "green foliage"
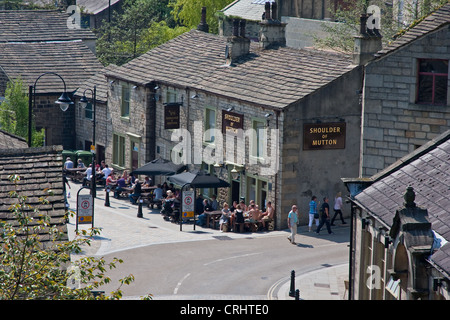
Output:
[[14, 113], [188, 12], [341, 35], [145, 24], [29, 270]]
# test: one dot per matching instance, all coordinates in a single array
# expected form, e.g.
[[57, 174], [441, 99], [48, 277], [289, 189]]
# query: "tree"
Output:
[[188, 12], [29, 270], [14, 113], [341, 35], [122, 39]]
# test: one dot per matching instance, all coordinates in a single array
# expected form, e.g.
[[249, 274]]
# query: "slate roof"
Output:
[[95, 6], [427, 170], [39, 25], [273, 78], [38, 168], [73, 60], [10, 141], [432, 22], [98, 80], [246, 9]]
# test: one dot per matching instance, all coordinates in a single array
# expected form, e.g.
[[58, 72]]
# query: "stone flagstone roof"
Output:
[[73, 60], [38, 26], [274, 78], [39, 169]]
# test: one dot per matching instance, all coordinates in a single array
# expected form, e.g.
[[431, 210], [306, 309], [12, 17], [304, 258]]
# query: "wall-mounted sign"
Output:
[[172, 116], [231, 122], [324, 136]]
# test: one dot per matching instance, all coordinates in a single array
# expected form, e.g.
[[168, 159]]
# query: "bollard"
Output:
[[292, 291], [297, 294], [107, 198], [139, 214]]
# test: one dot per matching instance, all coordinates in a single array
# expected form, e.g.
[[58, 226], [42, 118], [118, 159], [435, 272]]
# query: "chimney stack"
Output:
[[367, 43], [203, 26], [237, 45], [272, 31]]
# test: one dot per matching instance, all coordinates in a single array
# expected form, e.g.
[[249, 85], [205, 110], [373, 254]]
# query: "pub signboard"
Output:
[[324, 136], [231, 123], [172, 116]]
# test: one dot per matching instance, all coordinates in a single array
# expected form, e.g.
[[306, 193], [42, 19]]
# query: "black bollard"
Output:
[[107, 198], [297, 294], [292, 291], [139, 214]]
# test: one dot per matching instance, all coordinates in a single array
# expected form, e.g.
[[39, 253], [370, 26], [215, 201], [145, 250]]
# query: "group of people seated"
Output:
[[238, 213]]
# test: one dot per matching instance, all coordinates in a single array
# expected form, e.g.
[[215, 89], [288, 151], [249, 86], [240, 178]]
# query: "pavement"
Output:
[[127, 231]]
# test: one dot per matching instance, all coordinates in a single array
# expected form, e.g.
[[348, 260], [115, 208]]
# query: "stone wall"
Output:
[[59, 125], [318, 172], [394, 125]]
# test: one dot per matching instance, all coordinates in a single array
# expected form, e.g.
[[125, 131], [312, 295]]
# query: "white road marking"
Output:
[[179, 283]]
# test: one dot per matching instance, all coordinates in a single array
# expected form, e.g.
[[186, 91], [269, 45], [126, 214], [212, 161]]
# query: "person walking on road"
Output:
[[337, 208], [325, 216], [292, 223], [313, 214]]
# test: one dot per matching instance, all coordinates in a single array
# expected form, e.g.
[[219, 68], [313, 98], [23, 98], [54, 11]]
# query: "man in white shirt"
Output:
[[337, 208]]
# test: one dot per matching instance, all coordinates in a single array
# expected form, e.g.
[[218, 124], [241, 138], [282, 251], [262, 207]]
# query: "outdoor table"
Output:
[[214, 215]]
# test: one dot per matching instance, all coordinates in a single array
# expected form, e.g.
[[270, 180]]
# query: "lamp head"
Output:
[[64, 101], [84, 101]]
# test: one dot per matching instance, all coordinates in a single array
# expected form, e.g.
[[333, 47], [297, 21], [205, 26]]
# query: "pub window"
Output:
[[125, 105], [259, 138], [119, 150], [171, 96], [432, 82], [210, 125]]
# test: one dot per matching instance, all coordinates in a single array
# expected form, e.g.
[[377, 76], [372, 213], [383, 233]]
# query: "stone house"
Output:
[[399, 245], [405, 94], [94, 12], [295, 113], [42, 43]]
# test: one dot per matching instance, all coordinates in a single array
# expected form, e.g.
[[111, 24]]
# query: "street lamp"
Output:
[[63, 101], [84, 102]]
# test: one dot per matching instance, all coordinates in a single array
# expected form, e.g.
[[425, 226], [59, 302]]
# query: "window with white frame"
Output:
[[259, 138], [210, 125], [125, 104]]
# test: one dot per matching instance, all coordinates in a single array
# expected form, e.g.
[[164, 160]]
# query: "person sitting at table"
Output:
[[80, 164], [199, 207], [147, 181], [121, 185], [225, 217], [68, 164], [214, 203], [267, 216], [242, 205], [106, 171], [158, 193], [253, 214], [110, 181], [237, 216], [165, 187], [136, 193], [207, 205], [88, 175]]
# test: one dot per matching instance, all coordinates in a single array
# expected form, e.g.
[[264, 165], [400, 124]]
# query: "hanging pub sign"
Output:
[[232, 122], [172, 116], [324, 136]]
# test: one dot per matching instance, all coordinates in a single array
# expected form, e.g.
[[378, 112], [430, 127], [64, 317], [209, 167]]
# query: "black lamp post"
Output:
[[84, 102], [63, 101]]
